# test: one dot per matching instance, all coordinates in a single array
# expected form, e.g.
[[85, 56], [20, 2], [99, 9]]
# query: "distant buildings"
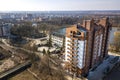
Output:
[[86, 45], [5, 30], [58, 37]]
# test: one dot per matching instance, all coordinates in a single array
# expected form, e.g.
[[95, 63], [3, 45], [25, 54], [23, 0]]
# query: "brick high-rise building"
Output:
[[86, 45]]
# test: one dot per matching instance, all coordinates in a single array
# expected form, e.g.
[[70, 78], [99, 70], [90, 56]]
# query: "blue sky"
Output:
[[52, 5]]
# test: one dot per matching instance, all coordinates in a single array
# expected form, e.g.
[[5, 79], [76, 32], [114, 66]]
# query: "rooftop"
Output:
[[60, 32], [81, 28]]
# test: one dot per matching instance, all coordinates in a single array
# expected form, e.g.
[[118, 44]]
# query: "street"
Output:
[[102, 70]]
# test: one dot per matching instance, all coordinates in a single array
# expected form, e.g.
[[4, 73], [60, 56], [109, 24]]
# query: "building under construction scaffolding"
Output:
[[86, 45]]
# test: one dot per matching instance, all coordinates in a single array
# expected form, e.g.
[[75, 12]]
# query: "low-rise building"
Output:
[[58, 37], [5, 30]]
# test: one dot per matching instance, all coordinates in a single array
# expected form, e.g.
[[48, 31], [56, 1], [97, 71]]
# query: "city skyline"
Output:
[[58, 5]]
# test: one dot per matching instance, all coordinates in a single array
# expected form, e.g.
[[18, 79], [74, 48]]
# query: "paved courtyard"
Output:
[[114, 74], [101, 71]]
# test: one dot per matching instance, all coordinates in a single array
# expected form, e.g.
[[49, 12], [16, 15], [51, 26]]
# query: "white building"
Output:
[[58, 37]]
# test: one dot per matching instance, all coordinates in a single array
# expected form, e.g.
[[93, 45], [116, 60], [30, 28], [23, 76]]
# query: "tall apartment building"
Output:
[[86, 45]]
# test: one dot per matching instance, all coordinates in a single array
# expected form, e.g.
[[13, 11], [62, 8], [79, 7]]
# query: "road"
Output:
[[114, 74], [98, 73], [10, 48], [7, 46]]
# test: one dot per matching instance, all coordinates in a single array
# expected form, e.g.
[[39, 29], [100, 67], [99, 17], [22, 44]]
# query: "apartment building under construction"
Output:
[[86, 45]]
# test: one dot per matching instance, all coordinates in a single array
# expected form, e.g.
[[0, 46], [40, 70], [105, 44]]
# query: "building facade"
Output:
[[86, 45], [58, 37], [5, 30]]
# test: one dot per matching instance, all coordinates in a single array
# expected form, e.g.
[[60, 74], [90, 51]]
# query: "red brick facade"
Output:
[[96, 41]]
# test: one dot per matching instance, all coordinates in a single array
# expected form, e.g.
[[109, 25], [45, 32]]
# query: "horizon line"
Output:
[[54, 10]]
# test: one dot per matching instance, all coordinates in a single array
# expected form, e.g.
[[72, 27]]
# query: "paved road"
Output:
[[114, 74], [10, 48], [98, 73]]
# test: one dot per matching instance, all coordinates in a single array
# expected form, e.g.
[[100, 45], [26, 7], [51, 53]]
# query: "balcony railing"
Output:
[[73, 50], [73, 46], [72, 54]]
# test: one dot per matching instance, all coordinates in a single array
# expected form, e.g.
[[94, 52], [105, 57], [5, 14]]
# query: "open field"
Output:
[[25, 75]]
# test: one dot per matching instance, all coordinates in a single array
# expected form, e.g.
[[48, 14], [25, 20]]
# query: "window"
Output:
[[73, 32], [78, 33]]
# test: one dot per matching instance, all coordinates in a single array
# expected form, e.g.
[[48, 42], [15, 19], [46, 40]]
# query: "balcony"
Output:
[[72, 54], [75, 59], [73, 50], [72, 58], [71, 41], [73, 46]]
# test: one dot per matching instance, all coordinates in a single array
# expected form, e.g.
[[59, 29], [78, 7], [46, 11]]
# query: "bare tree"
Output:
[[117, 41]]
